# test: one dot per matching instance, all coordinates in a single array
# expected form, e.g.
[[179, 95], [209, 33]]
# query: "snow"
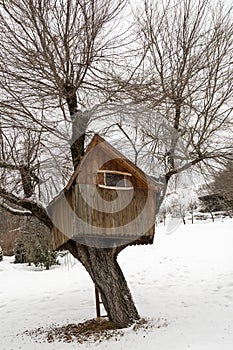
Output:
[[184, 282]]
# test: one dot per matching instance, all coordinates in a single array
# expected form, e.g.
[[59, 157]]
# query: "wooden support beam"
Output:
[[97, 302]]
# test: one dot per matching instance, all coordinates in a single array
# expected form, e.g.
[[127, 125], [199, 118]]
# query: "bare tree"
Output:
[[53, 55], [185, 79], [222, 187]]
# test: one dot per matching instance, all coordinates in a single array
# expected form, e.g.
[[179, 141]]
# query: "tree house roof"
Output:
[[116, 156]]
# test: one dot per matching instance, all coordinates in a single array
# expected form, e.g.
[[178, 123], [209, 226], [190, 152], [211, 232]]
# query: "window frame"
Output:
[[125, 174]]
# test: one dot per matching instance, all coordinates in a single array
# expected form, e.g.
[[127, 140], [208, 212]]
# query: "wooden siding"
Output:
[[87, 212]]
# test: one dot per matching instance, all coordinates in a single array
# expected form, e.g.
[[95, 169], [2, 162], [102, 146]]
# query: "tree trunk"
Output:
[[79, 124], [109, 280]]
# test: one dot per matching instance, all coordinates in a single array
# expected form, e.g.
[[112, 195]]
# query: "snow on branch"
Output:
[[28, 206], [15, 211]]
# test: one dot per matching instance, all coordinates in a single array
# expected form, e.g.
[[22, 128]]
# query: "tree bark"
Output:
[[79, 124], [109, 280]]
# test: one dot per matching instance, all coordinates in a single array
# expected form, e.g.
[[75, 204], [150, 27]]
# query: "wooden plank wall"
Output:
[[86, 203], [102, 211]]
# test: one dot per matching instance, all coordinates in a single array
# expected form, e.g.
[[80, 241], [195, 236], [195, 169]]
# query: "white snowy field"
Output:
[[184, 280]]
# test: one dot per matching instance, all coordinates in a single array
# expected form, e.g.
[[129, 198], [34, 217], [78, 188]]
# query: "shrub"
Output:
[[20, 252], [36, 249], [44, 257]]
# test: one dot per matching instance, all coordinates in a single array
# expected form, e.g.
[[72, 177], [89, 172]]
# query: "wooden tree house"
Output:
[[108, 202]]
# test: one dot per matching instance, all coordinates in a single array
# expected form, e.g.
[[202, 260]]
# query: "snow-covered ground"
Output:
[[184, 280]]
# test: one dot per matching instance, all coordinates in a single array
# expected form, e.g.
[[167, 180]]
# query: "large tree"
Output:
[[53, 57], [54, 60]]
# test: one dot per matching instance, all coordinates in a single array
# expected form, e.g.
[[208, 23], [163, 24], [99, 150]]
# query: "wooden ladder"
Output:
[[98, 302]]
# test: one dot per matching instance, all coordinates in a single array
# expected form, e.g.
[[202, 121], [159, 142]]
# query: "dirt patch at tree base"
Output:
[[92, 331]]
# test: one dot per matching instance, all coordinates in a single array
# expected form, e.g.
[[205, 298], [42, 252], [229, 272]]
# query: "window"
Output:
[[114, 179]]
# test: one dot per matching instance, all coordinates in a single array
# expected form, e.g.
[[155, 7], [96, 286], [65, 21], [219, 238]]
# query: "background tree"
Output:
[[222, 188], [223, 181]]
